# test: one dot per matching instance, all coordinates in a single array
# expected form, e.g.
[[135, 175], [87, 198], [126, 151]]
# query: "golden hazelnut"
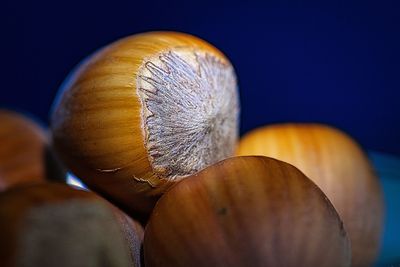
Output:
[[143, 113]]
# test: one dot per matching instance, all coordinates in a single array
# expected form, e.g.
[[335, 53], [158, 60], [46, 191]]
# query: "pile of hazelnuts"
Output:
[[150, 125]]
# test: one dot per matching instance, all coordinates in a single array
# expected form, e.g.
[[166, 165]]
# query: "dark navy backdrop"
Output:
[[334, 63]]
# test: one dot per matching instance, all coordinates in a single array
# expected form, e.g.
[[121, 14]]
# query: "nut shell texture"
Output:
[[144, 112], [246, 211]]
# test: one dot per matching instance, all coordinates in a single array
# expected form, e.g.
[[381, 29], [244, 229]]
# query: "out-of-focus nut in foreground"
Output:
[[55, 225]]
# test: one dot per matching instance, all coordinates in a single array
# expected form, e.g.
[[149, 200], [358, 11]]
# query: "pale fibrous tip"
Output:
[[190, 110]]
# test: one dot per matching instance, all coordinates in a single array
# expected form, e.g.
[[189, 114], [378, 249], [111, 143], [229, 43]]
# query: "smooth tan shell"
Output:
[[246, 211], [97, 125], [18, 204], [337, 164], [22, 150]]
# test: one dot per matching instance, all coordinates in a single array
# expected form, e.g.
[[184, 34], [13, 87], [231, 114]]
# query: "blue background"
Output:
[[333, 62], [336, 63]]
